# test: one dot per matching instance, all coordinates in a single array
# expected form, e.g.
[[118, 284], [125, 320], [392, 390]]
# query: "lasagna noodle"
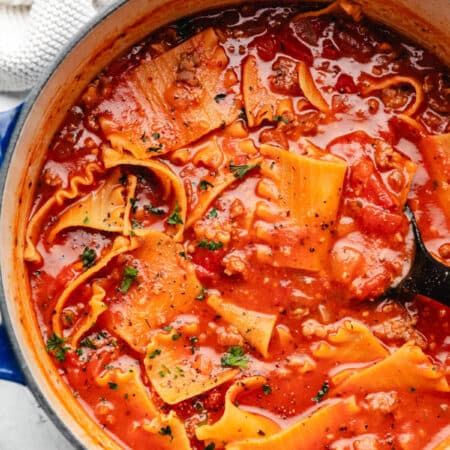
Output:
[[309, 191], [435, 151], [34, 227], [255, 327], [308, 433], [177, 373], [260, 103], [309, 88], [166, 286], [352, 341], [406, 368], [166, 112], [352, 9], [377, 85], [170, 183], [120, 245], [102, 209], [237, 424]]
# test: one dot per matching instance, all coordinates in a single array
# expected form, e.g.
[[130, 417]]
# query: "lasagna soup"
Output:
[[216, 223]]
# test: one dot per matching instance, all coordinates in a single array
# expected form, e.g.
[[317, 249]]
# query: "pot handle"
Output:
[[9, 367]]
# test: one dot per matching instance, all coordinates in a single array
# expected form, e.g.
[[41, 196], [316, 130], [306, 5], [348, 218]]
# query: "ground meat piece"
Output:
[[313, 328], [383, 402], [400, 328], [366, 443], [214, 400], [235, 265], [285, 80], [237, 208], [187, 68], [228, 336], [51, 179], [396, 97]]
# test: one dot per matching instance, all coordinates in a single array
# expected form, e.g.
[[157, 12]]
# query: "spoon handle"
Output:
[[427, 276]]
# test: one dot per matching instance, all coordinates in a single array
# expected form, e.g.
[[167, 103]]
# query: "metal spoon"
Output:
[[427, 276]]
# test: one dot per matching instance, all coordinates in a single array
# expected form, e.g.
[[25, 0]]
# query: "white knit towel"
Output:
[[33, 31]]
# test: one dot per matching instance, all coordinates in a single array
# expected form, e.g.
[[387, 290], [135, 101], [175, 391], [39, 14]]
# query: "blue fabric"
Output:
[[9, 367]]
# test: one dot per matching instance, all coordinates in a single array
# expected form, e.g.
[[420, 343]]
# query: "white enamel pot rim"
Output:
[[108, 35]]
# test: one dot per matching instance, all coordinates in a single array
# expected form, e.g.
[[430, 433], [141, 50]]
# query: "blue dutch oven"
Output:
[[26, 132]]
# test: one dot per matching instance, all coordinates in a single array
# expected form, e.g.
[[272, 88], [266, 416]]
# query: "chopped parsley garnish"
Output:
[[280, 119], [166, 431], [193, 340], [129, 275], [55, 344], [235, 357], [112, 385], [168, 328], [175, 217], [153, 210], [156, 135], [212, 214], [322, 392], [133, 205], [88, 257], [154, 353], [87, 342], [202, 295], [158, 148], [136, 224], [210, 245], [86, 220], [144, 137], [210, 446], [176, 336], [219, 97], [183, 255], [266, 389], [204, 185], [240, 171]]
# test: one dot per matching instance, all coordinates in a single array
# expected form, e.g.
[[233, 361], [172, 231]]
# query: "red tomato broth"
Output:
[[371, 242]]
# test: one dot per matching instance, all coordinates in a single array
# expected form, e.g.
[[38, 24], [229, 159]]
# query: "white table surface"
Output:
[[23, 424]]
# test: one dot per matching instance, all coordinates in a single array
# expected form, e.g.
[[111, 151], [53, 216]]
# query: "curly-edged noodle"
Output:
[[169, 181], [352, 9], [260, 103], [96, 307], [177, 439], [170, 101], [412, 122], [237, 424], [120, 245], [444, 444], [371, 85], [131, 194], [166, 286], [406, 368], [102, 209], [30, 253], [308, 433], [309, 191], [435, 151], [178, 373], [255, 327], [351, 342], [128, 382], [309, 88]]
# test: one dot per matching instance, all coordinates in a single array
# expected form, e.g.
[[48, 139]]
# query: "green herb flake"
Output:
[[158, 148], [88, 257], [202, 295], [55, 345], [212, 214], [204, 185], [175, 218], [156, 135], [87, 342], [155, 211], [183, 255], [210, 245], [219, 97], [176, 336], [113, 386], [266, 389], [154, 353], [86, 220], [322, 392], [166, 431], [168, 328], [129, 275], [235, 357], [210, 446], [240, 171], [133, 202], [280, 119]]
